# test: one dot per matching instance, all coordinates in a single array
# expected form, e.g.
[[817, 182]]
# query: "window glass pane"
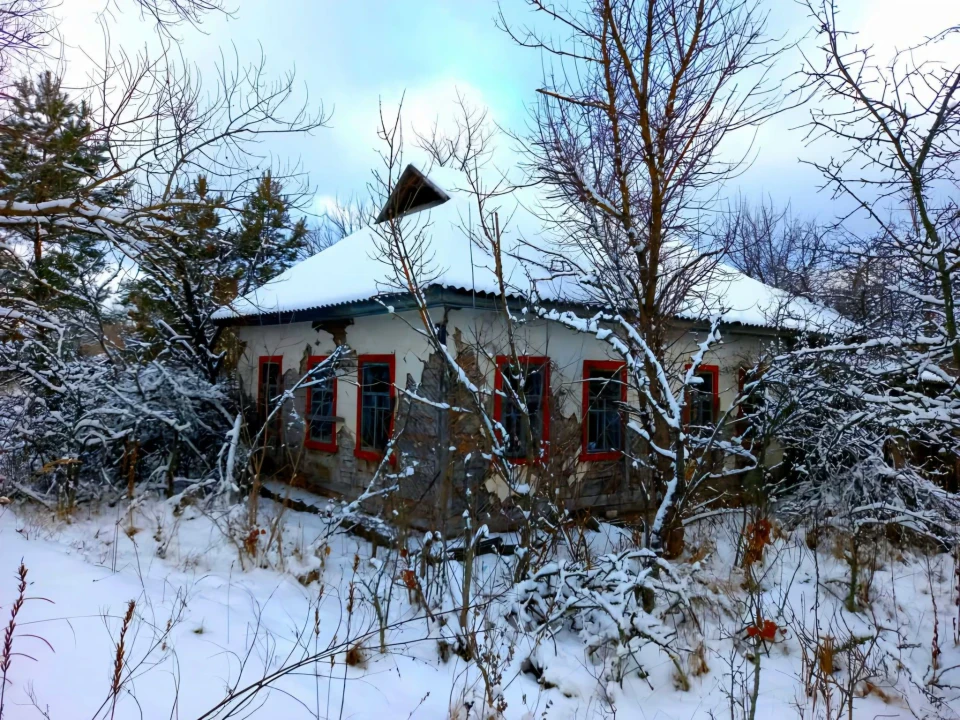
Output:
[[320, 412], [269, 392], [375, 406], [703, 401], [271, 372], [604, 426], [270, 380], [518, 426]]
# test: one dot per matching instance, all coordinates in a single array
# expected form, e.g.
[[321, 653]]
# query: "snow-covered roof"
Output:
[[354, 270]]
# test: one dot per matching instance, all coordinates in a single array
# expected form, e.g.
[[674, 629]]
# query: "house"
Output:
[[336, 434]]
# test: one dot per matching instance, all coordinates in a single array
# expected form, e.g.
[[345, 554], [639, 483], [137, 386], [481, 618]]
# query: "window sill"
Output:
[[601, 456], [372, 456], [522, 461], [320, 446]]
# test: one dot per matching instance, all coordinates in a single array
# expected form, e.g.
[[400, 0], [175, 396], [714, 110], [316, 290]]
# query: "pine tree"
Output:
[[53, 280], [268, 241], [184, 276], [53, 289], [48, 151]]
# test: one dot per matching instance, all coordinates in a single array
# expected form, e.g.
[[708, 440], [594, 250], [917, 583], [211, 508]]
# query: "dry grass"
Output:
[[6, 659], [356, 656], [119, 656], [697, 661]]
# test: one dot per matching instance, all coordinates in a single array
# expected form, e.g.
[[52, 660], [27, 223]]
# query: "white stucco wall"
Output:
[[377, 334], [567, 349], [392, 334]]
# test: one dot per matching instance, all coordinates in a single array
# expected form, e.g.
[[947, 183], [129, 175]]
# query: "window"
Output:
[[530, 381], [604, 389], [374, 405], [703, 402], [321, 409], [270, 385]]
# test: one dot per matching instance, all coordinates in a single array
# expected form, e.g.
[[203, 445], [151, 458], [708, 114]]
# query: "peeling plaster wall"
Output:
[[568, 349], [341, 472], [598, 483], [427, 435]]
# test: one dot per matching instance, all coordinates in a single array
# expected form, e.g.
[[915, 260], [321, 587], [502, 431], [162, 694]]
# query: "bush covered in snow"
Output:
[[106, 427]]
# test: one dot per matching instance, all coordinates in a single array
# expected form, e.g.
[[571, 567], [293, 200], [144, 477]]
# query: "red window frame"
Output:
[[609, 366], [715, 371], [503, 360], [362, 360], [331, 446], [267, 360]]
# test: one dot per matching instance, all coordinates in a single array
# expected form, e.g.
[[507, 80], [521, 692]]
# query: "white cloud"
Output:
[[350, 146], [357, 120], [323, 204]]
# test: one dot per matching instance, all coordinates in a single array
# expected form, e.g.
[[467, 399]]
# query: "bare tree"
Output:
[[25, 27], [825, 263], [406, 245], [167, 13], [626, 138], [777, 248], [160, 130], [150, 129], [344, 218], [898, 122], [514, 454], [469, 146], [862, 282]]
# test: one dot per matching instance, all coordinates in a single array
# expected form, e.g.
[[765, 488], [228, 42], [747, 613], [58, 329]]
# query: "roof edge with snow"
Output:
[[351, 278]]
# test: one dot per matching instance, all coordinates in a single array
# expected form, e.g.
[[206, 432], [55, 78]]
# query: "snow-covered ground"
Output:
[[205, 628]]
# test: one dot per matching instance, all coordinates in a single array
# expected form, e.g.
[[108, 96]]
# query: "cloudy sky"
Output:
[[352, 54]]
